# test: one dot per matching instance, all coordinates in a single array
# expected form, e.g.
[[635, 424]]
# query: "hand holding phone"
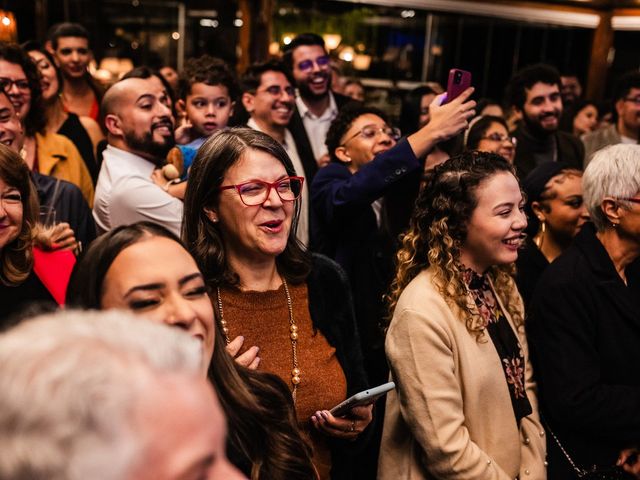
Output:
[[459, 81], [362, 398]]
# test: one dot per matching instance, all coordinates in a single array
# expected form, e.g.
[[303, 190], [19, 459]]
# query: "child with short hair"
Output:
[[207, 89]]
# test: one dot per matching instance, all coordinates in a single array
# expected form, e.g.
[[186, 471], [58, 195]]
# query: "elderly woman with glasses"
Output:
[[585, 329], [241, 213]]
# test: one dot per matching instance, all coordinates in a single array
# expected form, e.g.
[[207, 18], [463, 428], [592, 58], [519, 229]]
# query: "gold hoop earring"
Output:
[[539, 238]]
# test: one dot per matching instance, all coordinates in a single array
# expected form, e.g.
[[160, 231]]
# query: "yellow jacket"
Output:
[[59, 157]]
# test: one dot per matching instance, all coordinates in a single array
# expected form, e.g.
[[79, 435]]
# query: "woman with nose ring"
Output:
[[145, 269], [465, 404]]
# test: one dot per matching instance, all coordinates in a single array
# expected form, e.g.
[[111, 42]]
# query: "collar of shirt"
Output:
[[132, 162], [288, 138], [329, 113]]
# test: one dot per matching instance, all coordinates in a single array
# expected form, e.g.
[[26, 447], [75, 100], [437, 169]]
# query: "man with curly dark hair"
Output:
[[534, 92]]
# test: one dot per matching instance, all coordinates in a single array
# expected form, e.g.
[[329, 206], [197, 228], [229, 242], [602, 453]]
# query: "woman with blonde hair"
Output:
[[465, 405]]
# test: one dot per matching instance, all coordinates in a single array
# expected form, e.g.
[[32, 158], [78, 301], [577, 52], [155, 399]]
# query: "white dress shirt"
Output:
[[290, 147], [317, 127], [126, 194]]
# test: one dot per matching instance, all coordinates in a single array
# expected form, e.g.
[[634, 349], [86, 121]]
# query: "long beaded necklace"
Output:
[[293, 335]]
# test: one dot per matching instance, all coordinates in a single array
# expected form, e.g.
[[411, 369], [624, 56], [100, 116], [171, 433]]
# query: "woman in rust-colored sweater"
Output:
[[292, 309]]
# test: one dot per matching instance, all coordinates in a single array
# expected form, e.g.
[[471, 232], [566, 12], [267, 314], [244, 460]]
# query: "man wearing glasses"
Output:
[[626, 128], [268, 97], [369, 162], [534, 92], [316, 104]]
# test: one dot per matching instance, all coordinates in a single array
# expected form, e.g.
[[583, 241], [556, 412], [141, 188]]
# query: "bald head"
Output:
[[137, 114], [122, 92]]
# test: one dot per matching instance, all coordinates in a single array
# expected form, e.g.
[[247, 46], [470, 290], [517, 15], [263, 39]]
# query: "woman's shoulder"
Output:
[[421, 289], [325, 270], [422, 301], [51, 143]]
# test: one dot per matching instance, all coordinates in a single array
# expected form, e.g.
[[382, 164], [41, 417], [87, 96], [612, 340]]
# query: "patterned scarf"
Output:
[[503, 337]]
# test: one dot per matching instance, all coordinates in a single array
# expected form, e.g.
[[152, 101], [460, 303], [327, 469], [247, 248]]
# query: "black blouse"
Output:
[[504, 340], [28, 298]]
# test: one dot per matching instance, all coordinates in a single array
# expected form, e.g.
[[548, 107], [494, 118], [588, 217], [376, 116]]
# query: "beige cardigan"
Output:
[[451, 415]]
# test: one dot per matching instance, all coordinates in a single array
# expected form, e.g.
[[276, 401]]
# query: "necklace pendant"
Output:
[[295, 379]]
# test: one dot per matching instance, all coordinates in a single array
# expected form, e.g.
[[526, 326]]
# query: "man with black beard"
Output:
[[316, 104], [137, 116], [535, 93]]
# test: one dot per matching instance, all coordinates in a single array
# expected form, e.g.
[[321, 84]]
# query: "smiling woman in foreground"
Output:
[[465, 405], [145, 269]]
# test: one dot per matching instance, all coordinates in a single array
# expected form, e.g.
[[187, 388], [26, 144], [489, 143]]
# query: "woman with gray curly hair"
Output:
[[585, 328], [465, 405]]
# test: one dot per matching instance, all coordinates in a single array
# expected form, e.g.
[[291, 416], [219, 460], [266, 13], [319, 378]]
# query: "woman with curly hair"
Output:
[[465, 405]]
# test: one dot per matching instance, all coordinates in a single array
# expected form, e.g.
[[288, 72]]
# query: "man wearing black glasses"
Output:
[[626, 128], [369, 162], [316, 104]]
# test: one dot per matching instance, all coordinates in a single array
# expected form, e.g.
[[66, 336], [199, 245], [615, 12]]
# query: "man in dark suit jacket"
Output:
[[316, 105], [367, 160], [535, 93]]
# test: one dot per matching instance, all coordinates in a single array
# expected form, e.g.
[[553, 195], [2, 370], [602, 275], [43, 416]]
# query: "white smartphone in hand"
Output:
[[365, 397]]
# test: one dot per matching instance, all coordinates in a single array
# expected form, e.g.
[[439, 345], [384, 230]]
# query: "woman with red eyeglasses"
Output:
[[292, 309], [584, 329]]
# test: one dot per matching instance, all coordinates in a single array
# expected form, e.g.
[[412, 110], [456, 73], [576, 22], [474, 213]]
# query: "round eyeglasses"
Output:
[[498, 137], [370, 131], [7, 83], [256, 192]]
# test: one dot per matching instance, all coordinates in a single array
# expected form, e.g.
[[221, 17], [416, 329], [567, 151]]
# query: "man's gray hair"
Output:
[[68, 386], [614, 171]]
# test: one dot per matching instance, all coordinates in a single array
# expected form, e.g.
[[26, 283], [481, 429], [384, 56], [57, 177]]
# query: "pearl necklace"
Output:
[[293, 335]]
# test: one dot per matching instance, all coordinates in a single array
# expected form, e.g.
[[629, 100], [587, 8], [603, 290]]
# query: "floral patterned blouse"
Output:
[[503, 337]]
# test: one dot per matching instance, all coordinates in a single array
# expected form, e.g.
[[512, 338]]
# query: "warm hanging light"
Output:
[[361, 61], [331, 40], [8, 27], [274, 49], [287, 38], [347, 54]]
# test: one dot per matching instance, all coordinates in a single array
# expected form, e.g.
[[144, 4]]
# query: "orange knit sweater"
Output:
[[262, 318]]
